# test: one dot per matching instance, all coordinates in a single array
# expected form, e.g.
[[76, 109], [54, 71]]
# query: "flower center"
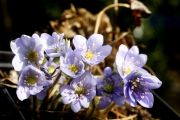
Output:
[[135, 84], [31, 80], [51, 69], [32, 56], [73, 68], [89, 55], [108, 88], [56, 49], [80, 90]]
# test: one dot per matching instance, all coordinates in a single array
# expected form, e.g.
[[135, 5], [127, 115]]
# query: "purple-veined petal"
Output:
[[75, 106], [118, 96], [119, 100], [128, 95], [95, 41], [151, 82], [22, 93], [104, 102], [146, 100], [84, 101], [80, 42]]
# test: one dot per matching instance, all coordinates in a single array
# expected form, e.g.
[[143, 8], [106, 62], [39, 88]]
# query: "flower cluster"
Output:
[[41, 58]]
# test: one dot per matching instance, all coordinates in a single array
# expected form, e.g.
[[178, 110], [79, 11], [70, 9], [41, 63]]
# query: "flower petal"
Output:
[[104, 51], [95, 41], [17, 63], [147, 100], [128, 96], [84, 101], [134, 50], [151, 82], [104, 102], [107, 72], [22, 93], [35, 90], [67, 94], [75, 106], [120, 56], [118, 96], [80, 42], [143, 58], [14, 47]]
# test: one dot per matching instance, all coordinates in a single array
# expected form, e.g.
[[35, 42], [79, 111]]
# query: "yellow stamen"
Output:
[[51, 69], [89, 55], [108, 88], [31, 80], [73, 68], [32, 56], [80, 90]]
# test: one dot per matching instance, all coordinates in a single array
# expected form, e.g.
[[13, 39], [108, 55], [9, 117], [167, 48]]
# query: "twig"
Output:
[[8, 85], [126, 118], [99, 16]]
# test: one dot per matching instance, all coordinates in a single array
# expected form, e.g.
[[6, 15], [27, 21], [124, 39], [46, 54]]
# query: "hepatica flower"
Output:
[[110, 88], [92, 50], [31, 82], [128, 60], [80, 92], [72, 64], [27, 50], [56, 45], [137, 88]]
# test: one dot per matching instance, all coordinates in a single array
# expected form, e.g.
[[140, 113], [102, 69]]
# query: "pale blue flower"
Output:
[[128, 60], [27, 50], [71, 64], [110, 89], [80, 92], [137, 88], [56, 45], [92, 50], [31, 82]]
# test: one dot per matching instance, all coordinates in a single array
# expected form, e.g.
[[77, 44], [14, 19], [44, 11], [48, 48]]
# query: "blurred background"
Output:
[[159, 33]]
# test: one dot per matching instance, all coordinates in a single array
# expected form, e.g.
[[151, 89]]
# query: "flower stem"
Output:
[[99, 16]]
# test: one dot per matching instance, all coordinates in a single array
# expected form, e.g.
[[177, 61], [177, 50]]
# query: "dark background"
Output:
[[161, 33]]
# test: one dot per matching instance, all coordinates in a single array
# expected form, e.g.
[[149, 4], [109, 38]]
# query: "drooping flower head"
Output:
[[92, 50], [80, 92], [56, 45], [72, 64], [137, 86], [110, 89], [31, 82], [128, 60], [27, 50]]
